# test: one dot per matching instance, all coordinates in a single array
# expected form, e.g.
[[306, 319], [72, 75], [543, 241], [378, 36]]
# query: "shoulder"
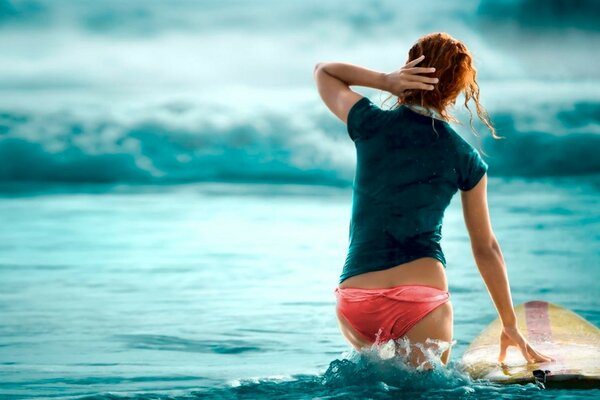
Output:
[[366, 118], [469, 165], [460, 145]]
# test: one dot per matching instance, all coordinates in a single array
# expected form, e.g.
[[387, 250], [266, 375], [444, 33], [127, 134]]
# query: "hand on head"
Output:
[[408, 77]]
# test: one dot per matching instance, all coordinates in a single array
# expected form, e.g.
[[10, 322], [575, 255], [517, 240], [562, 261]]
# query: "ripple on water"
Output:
[[174, 343]]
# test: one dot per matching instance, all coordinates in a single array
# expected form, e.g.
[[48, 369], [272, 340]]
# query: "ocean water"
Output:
[[175, 197], [216, 290]]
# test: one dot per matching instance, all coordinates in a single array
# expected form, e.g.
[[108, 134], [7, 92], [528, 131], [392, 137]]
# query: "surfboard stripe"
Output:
[[537, 317], [538, 321]]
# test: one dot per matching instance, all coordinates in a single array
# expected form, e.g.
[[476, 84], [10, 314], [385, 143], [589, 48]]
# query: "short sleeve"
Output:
[[471, 169], [364, 119]]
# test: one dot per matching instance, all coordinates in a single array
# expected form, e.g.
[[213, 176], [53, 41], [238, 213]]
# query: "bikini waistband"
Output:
[[409, 292]]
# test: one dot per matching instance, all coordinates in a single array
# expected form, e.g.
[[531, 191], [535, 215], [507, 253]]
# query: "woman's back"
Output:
[[409, 166]]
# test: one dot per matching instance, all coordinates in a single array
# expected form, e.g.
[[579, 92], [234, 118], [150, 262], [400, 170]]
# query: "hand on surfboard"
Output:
[[511, 336]]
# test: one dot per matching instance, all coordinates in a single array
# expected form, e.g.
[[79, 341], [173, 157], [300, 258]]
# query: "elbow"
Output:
[[318, 71], [319, 67], [490, 246]]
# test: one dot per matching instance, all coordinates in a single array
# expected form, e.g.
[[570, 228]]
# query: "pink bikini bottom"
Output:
[[389, 313]]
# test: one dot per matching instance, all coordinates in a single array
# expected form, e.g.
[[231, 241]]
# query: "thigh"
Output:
[[437, 325]]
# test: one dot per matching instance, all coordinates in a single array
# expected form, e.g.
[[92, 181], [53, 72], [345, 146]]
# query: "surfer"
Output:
[[410, 163]]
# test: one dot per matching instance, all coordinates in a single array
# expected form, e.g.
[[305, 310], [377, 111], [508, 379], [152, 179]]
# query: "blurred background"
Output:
[[175, 197]]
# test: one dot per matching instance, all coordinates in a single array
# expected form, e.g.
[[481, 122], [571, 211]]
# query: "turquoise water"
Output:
[[125, 273], [220, 290]]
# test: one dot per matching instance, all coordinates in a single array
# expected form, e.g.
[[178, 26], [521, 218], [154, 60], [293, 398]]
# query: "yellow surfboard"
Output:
[[551, 329]]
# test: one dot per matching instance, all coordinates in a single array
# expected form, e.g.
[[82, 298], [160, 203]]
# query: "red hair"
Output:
[[454, 68]]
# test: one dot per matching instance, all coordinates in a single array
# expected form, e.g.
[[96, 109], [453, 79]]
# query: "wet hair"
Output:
[[454, 68]]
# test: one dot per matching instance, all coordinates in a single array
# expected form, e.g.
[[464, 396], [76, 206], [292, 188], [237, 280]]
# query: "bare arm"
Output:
[[486, 250], [334, 79], [492, 267]]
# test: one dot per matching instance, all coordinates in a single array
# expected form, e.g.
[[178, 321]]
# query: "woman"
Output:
[[410, 163]]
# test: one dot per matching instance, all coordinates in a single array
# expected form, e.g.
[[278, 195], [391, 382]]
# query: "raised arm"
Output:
[[334, 79], [490, 262]]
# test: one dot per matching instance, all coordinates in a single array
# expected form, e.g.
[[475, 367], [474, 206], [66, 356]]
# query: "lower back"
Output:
[[422, 271]]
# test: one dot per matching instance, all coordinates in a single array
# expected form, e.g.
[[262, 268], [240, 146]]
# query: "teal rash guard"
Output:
[[406, 175]]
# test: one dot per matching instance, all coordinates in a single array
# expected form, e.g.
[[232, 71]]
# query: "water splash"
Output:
[[396, 363], [414, 370]]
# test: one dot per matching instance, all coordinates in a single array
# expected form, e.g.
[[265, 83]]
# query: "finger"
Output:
[[418, 70], [415, 61], [539, 356], [418, 85], [502, 355], [420, 78], [503, 349], [523, 347]]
